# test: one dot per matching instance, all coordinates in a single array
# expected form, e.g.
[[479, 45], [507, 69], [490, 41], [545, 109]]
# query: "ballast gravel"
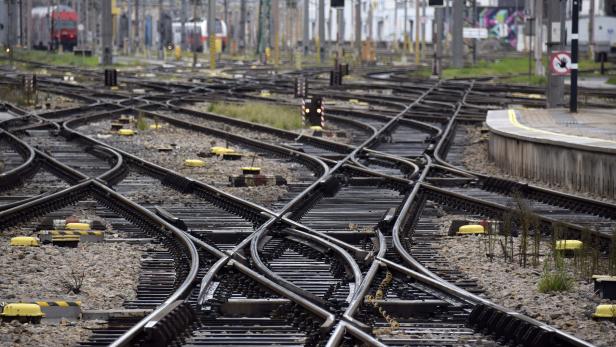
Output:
[[110, 273], [110, 277], [57, 333], [186, 144], [514, 287]]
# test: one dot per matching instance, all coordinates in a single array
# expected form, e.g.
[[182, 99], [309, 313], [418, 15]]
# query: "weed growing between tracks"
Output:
[[281, 117], [12, 95], [555, 277], [67, 58], [41, 100]]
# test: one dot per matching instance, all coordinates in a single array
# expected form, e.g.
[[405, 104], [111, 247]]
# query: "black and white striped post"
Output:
[[574, 55]]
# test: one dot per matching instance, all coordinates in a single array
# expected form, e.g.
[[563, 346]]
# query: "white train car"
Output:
[[199, 29], [604, 28]]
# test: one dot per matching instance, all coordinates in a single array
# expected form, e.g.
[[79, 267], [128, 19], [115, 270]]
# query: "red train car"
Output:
[[59, 29]]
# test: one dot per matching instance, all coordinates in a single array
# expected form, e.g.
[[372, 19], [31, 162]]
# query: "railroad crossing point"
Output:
[[575, 150]]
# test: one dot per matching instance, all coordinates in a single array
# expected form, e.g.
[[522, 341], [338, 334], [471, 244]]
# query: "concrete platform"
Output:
[[554, 146]]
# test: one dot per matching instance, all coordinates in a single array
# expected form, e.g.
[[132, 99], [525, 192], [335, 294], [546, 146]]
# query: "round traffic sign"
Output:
[[560, 63]]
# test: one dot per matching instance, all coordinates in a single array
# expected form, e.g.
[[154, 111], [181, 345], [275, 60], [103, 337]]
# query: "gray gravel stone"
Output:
[[514, 287]]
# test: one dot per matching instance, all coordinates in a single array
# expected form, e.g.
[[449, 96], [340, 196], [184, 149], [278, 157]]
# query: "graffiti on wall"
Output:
[[500, 23]]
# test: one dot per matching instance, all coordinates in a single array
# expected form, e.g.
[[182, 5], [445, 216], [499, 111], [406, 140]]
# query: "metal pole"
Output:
[[322, 29], [129, 13], [457, 38], [87, 30], [575, 16], [29, 23], [306, 26], [439, 32], [539, 68], [9, 32], [358, 27], [370, 20], [555, 85], [183, 18], [21, 23], [107, 28], [417, 29], [591, 30], [276, 25], [137, 25], [211, 26], [406, 30], [530, 48], [424, 17], [242, 36], [196, 36], [161, 53], [50, 13], [395, 40], [474, 21], [340, 25]]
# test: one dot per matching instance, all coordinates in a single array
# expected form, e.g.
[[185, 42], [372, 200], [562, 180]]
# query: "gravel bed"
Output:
[[40, 273], [191, 145], [40, 183], [476, 158], [221, 125], [111, 272], [568, 311], [58, 333], [110, 277], [145, 190]]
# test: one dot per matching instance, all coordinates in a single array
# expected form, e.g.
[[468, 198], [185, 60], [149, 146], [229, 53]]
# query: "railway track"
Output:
[[347, 256]]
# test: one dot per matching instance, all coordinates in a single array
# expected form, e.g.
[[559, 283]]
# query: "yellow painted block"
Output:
[[126, 132], [77, 226], [194, 163], [24, 241], [218, 45], [156, 126], [178, 53], [471, 229], [221, 150], [605, 311], [568, 245], [22, 310]]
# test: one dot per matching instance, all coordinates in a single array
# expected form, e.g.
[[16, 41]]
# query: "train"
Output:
[[605, 29], [198, 28], [59, 30]]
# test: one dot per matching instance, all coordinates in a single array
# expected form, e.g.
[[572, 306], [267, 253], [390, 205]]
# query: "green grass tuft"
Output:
[[555, 281], [67, 58], [281, 117], [555, 277], [142, 123]]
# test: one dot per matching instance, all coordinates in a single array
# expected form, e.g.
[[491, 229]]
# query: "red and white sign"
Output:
[[560, 63]]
